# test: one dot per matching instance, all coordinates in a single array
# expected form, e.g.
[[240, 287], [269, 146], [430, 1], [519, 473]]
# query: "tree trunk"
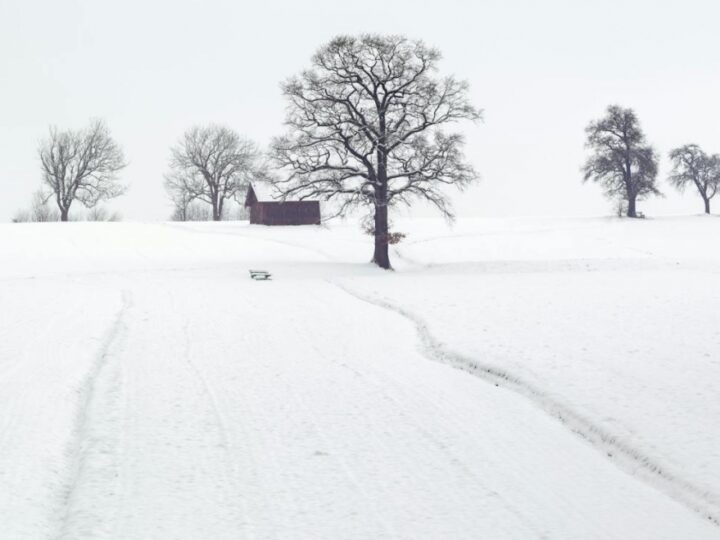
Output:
[[631, 212], [216, 208], [64, 214], [627, 179], [707, 205], [381, 257]]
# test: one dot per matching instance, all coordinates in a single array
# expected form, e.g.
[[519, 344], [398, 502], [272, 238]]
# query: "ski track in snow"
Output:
[[96, 433], [630, 459]]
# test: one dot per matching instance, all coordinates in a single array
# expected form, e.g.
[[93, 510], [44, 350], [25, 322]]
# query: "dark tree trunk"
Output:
[[631, 196], [216, 208], [64, 214], [707, 205], [631, 212], [381, 256]]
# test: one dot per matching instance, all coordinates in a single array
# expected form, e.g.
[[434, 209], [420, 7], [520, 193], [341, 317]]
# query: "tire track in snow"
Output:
[[85, 443], [631, 460]]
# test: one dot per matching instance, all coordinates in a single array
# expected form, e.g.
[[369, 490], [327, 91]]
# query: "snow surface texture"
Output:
[[149, 389]]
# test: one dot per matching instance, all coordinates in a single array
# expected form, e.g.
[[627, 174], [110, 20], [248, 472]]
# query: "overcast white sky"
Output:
[[540, 70]]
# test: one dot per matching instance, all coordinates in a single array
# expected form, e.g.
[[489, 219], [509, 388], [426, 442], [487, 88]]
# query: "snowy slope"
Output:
[[149, 389]]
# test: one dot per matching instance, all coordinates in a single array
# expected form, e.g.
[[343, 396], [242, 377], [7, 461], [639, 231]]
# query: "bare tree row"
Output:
[[210, 165], [627, 166], [366, 130]]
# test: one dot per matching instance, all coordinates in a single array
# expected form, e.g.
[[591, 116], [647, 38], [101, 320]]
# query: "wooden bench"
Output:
[[260, 275]]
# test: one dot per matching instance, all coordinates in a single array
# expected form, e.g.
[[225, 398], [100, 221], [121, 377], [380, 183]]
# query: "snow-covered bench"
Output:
[[260, 274]]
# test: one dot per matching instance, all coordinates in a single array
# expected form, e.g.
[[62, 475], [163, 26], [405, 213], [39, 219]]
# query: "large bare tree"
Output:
[[622, 162], [691, 165], [81, 165], [212, 164], [365, 130]]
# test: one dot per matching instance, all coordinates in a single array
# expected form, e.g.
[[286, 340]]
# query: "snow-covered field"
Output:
[[150, 390]]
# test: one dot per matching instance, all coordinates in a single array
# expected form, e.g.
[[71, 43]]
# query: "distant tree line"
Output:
[[366, 130], [626, 166]]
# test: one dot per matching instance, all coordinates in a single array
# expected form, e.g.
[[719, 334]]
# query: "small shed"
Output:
[[264, 210]]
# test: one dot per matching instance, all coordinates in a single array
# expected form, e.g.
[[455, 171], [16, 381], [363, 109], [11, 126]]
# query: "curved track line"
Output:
[[629, 459]]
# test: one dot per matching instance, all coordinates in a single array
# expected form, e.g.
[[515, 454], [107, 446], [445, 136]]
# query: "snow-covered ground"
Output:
[[150, 390]]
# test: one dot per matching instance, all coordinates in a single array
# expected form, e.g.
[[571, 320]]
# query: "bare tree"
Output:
[[364, 130], [81, 165], [212, 164], [622, 162], [691, 165]]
